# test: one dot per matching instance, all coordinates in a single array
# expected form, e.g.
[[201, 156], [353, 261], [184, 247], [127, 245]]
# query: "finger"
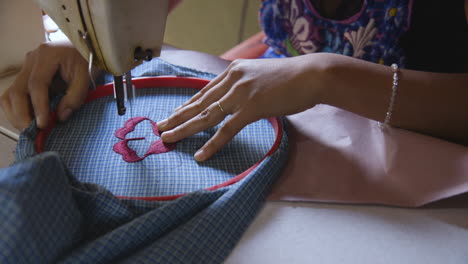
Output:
[[205, 89], [193, 99], [75, 95], [206, 119], [15, 101], [225, 134], [195, 108], [17, 109], [5, 105], [22, 110], [38, 85]]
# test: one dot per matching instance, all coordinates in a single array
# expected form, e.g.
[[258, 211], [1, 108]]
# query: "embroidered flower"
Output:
[[361, 38], [300, 27], [130, 155], [302, 35]]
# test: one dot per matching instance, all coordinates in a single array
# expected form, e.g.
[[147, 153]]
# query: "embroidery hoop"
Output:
[[164, 82]]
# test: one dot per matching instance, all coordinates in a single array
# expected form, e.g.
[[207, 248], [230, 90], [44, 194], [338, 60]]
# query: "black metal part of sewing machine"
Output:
[[127, 91]]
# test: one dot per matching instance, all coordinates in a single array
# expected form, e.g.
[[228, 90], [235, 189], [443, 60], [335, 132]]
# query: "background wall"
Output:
[[21, 30], [211, 26]]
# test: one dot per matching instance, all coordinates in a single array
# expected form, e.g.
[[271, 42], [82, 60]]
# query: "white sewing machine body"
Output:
[[115, 35]]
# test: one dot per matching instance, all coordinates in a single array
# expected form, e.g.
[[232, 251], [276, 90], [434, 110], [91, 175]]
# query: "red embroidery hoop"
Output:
[[160, 82]]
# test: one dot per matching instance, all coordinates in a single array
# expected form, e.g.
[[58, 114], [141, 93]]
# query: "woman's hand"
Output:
[[248, 90], [426, 102], [28, 96]]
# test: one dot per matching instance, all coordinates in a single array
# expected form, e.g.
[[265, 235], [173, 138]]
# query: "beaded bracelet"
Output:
[[392, 97]]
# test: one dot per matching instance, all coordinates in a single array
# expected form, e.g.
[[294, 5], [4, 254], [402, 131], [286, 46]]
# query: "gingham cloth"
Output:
[[48, 214], [86, 141]]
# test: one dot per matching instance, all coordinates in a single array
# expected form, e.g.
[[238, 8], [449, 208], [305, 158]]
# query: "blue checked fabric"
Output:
[[86, 141], [56, 207]]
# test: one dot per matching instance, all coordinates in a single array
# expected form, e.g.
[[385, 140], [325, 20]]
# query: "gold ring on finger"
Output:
[[220, 107]]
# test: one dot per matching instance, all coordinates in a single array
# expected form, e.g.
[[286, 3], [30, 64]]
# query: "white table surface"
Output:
[[286, 232]]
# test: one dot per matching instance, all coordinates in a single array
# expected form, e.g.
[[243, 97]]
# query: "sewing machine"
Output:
[[114, 35]]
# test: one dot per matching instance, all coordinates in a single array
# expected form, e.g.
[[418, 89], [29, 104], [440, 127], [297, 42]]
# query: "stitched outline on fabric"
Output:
[[130, 155]]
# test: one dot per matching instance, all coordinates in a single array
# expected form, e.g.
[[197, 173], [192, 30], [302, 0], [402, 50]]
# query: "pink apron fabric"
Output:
[[337, 156]]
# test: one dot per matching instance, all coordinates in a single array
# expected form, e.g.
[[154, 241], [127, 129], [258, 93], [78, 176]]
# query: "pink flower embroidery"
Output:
[[130, 155]]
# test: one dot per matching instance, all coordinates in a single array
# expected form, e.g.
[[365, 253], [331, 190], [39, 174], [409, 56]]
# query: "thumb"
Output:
[[74, 97]]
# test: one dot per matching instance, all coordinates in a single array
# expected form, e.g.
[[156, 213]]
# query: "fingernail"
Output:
[[162, 124], [166, 136], [176, 109], [199, 155], [41, 122], [65, 114]]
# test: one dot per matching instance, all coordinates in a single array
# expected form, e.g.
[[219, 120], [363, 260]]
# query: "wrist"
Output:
[[355, 85], [320, 67]]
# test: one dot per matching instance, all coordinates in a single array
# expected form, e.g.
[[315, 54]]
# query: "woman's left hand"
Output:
[[248, 90]]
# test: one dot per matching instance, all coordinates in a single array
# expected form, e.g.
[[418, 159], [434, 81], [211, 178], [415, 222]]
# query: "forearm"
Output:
[[430, 103]]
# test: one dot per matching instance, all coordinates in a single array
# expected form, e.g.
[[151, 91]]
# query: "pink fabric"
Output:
[[130, 155], [337, 156]]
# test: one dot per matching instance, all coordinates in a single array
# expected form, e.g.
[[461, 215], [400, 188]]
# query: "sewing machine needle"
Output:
[[119, 94], [130, 91]]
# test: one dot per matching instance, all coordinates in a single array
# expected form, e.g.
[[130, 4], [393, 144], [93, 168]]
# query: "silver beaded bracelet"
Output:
[[393, 96]]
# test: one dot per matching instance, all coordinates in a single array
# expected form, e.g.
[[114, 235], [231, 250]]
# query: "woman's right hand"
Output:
[[248, 90], [28, 96]]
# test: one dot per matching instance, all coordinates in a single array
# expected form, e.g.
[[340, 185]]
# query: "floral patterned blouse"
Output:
[[427, 35], [295, 27]]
